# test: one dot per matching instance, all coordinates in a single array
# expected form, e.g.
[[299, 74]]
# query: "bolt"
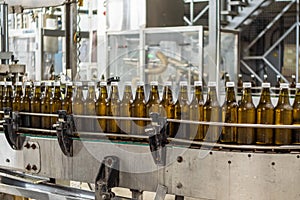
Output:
[[298, 156], [34, 167], [27, 145], [104, 196], [273, 163], [33, 146], [249, 155], [179, 185], [179, 159], [210, 152], [28, 167], [7, 160], [229, 162]]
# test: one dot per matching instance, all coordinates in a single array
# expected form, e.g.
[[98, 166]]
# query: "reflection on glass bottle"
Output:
[[138, 109], [78, 106], [283, 116], [296, 116], [246, 115], [67, 101], [196, 113], [182, 111], [167, 107], [113, 109], [265, 115], [89, 108], [55, 102], [45, 105], [229, 115], [35, 105], [16, 103], [101, 107], [125, 125], [212, 114]]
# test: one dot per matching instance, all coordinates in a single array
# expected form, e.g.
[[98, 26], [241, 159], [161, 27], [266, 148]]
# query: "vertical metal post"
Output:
[[4, 30], [297, 40], [201, 52], [71, 30], [214, 41], [192, 12]]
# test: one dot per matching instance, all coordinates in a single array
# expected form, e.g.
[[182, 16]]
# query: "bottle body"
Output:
[[101, 107], [283, 116], [55, 102], [246, 115], [16, 103], [89, 108], [78, 106], [35, 105], [138, 109], [296, 116], [265, 115], [212, 112], [125, 125], [229, 115], [67, 101], [46, 106], [25, 105], [113, 109]]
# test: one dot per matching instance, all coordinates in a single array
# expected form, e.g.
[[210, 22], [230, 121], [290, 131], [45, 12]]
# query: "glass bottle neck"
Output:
[[297, 97], [127, 93], [247, 97], [154, 92], [265, 96], [37, 92], [198, 93], [140, 93], [79, 94], [183, 93], [284, 96], [57, 92], [230, 94], [114, 92], [69, 92], [103, 92], [91, 92], [18, 91], [167, 94], [212, 95]]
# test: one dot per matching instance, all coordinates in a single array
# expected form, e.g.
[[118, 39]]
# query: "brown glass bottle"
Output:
[[55, 102], [2, 87], [167, 107], [229, 115], [16, 103], [277, 85], [182, 111], [25, 105], [283, 116], [113, 109], [138, 109], [212, 113], [7, 98], [45, 106], [196, 112], [90, 108], [296, 116], [101, 107], [35, 105], [265, 115], [125, 125], [227, 78], [67, 101], [246, 115], [293, 85], [78, 106], [265, 78], [253, 83], [153, 102], [240, 83]]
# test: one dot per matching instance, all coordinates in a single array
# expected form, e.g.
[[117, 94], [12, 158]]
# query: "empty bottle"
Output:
[[67, 101], [153, 102], [138, 109], [16, 103], [167, 107], [240, 83], [8, 95], [55, 102], [277, 86], [113, 109], [182, 111], [246, 115], [283, 116], [265, 115], [35, 105], [78, 106], [212, 114], [293, 85], [229, 115], [45, 106], [25, 105], [296, 116], [90, 108], [101, 107], [125, 125]]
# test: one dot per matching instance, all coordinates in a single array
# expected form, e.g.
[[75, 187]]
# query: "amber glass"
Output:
[[246, 115], [167, 107], [277, 85], [67, 101], [7, 97], [90, 108], [78, 106], [265, 115], [45, 106], [229, 115], [35, 105], [138, 109], [293, 85], [55, 102], [101, 107], [283, 116], [2, 87], [296, 116], [25, 105], [16, 103], [182, 112], [212, 113], [240, 83], [125, 125], [153, 102], [113, 109], [196, 112]]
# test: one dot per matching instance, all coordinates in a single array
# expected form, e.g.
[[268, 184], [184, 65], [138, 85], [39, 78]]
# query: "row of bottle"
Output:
[[196, 110]]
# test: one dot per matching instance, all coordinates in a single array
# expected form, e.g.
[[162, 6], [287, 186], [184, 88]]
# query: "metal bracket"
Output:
[[65, 129], [158, 138], [11, 128], [107, 178], [161, 192]]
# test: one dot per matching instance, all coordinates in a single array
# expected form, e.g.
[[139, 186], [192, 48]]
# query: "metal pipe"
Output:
[[251, 71], [203, 11], [275, 70], [4, 30]]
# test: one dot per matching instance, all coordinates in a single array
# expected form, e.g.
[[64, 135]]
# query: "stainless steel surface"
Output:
[[34, 3], [32, 157], [161, 192], [297, 39], [4, 30]]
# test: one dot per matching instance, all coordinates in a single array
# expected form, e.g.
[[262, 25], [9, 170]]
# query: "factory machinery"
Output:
[[32, 160]]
